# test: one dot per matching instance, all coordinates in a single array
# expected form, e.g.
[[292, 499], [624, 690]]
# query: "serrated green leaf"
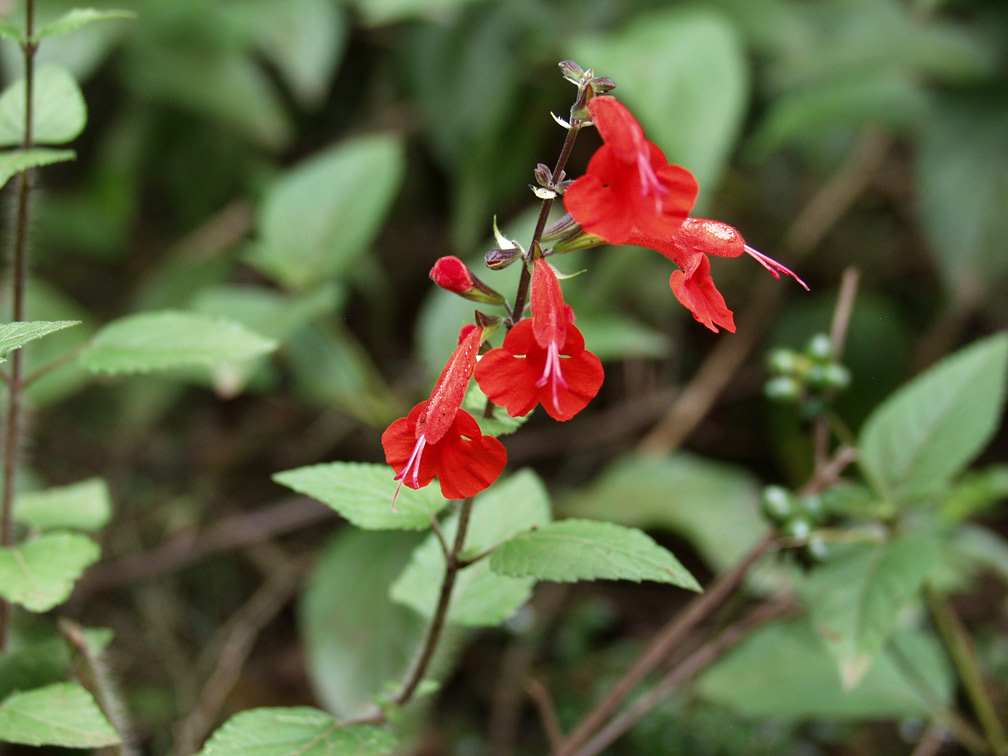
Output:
[[40, 573], [321, 215], [855, 598], [931, 428], [362, 493], [80, 506], [480, 597], [16, 335], [783, 671], [163, 340], [571, 550], [295, 731], [62, 714], [20, 160], [74, 19], [59, 113], [500, 424]]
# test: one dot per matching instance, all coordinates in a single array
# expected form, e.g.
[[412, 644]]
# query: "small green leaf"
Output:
[[481, 597], [10, 31], [74, 19], [80, 506], [62, 714], [362, 493], [500, 424], [16, 335], [931, 428], [572, 550], [59, 113], [40, 573], [321, 215], [295, 731], [16, 161], [977, 491], [162, 340], [856, 597]]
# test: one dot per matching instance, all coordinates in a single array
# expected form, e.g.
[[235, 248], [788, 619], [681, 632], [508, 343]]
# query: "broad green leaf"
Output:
[[16, 335], [931, 428], [15, 161], [356, 640], [855, 598], [40, 573], [783, 671], [678, 61], [961, 185], [76, 18], [80, 506], [295, 731], [162, 340], [62, 714], [363, 492], [321, 215], [500, 424], [266, 311], [480, 597], [614, 336], [571, 550], [59, 112]]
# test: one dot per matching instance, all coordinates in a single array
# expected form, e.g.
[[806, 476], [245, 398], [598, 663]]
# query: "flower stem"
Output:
[[12, 437]]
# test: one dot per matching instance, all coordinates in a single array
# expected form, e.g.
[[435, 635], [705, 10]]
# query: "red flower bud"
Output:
[[451, 274]]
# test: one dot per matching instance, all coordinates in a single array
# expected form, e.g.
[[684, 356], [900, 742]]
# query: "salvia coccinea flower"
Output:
[[543, 359], [629, 185], [440, 439], [453, 275]]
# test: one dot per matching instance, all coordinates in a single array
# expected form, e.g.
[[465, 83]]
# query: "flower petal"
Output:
[[469, 465], [698, 294]]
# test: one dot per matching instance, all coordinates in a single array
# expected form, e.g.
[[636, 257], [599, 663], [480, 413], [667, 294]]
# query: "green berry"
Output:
[[777, 504], [816, 378], [783, 362], [798, 528], [817, 548], [812, 507], [819, 348], [837, 377], [782, 389]]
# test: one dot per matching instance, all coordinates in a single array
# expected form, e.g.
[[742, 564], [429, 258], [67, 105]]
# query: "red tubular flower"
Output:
[[439, 438], [543, 359], [629, 185]]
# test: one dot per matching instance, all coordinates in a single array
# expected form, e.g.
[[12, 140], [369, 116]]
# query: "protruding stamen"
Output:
[[773, 266], [413, 463], [553, 372]]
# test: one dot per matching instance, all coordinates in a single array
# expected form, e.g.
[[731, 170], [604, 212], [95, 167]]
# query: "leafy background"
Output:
[[298, 166]]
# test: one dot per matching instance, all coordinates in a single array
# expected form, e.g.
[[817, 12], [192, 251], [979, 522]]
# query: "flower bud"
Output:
[[544, 176], [571, 71], [602, 84], [451, 274], [498, 259]]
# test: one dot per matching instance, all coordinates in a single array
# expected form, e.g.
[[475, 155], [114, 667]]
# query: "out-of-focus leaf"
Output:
[[62, 714], [363, 494], [784, 671], [16, 161], [975, 492], [500, 424], [58, 109], [42, 302], [572, 550], [10, 31], [671, 63], [39, 573], [325, 212], [295, 731], [381, 12], [930, 429], [16, 335], [854, 599], [962, 184], [80, 506], [481, 597], [43, 661], [612, 336], [267, 312], [76, 18]]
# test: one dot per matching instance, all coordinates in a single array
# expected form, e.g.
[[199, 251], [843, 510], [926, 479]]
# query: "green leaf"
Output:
[[613, 336], [10, 31], [62, 714], [74, 19], [572, 550], [500, 424], [678, 61], [480, 597], [266, 311], [16, 335], [43, 662], [783, 671], [40, 573], [16, 161], [161, 340], [976, 492], [321, 215], [59, 113], [855, 598], [80, 506], [383, 12], [931, 428], [295, 731], [362, 493]]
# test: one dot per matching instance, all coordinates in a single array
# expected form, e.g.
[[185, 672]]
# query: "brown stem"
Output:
[[667, 638]]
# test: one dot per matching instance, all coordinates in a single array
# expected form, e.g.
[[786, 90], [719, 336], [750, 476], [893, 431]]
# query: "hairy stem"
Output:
[[12, 436]]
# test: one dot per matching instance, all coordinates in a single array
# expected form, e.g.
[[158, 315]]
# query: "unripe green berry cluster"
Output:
[[809, 379], [797, 518]]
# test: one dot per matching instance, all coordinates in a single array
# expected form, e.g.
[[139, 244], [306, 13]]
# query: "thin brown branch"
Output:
[[931, 741], [547, 712]]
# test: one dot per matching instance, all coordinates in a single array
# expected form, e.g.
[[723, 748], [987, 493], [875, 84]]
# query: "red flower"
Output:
[[629, 185], [688, 248], [543, 359], [439, 438]]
